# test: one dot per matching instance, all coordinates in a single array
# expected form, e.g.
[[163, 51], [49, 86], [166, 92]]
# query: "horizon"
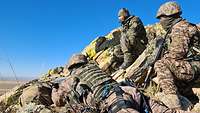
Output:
[[39, 35]]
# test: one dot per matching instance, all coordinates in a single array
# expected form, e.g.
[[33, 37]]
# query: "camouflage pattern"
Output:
[[129, 93], [58, 94], [168, 9], [154, 30], [174, 66], [87, 74], [92, 76], [133, 38], [123, 12]]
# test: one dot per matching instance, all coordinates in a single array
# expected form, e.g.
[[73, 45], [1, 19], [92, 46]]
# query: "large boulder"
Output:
[[90, 50], [104, 58], [12, 97], [39, 93]]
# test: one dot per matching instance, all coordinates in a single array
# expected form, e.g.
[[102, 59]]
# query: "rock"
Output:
[[103, 58], [33, 108], [52, 74], [196, 108], [11, 98], [90, 49], [39, 93]]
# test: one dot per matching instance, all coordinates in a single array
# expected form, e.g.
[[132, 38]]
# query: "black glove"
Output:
[[55, 85]]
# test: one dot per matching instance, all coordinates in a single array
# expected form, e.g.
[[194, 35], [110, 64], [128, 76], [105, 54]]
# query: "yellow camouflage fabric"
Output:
[[90, 49], [168, 9], [154, 30]]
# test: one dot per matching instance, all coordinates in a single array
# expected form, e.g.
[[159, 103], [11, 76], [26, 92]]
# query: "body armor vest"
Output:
[[91, 76]]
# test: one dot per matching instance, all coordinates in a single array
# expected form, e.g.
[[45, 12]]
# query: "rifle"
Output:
[[143, 71], [151, 61]]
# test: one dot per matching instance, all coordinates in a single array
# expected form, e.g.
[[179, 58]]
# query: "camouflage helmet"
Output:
[[76, 59], [168, 9], [123, 12]]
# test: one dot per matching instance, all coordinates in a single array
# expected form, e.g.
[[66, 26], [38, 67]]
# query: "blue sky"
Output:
[[40, 34]]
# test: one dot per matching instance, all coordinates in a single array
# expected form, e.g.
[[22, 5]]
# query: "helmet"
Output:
[[123, 12], [77, 59], [168, 9]]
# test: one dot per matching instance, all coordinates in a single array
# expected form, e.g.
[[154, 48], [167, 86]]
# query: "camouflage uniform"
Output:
[[104, 93], [177, 64], [133, 38]]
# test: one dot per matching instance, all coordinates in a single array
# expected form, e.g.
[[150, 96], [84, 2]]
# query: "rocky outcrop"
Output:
[[35, 96]]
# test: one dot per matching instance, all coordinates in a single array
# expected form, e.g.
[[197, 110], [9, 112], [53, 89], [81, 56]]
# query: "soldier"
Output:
[[180, 62], [132, 42], [94, 91], [133, 38]]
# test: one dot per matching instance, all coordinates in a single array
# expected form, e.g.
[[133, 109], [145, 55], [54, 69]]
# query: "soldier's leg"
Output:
[[181, 69], [166, 82], [184, 72], [166, 79], [126, 49], [118, 57]]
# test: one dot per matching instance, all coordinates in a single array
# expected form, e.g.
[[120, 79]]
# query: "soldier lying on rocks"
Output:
[[89, 89]]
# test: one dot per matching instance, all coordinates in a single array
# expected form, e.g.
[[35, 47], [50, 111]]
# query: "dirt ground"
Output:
[[5, 86]]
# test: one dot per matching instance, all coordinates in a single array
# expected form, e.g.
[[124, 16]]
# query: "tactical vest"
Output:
[[92, 77]]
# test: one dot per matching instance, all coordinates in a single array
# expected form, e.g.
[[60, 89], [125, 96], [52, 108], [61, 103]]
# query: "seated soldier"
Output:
[[180, 63], [88, 89]]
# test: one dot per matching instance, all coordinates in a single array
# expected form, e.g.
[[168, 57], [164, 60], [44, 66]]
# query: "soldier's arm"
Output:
[[179, 46], [135, 30]]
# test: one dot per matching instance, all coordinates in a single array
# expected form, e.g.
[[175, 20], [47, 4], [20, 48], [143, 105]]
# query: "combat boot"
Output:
[[128, 60]]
